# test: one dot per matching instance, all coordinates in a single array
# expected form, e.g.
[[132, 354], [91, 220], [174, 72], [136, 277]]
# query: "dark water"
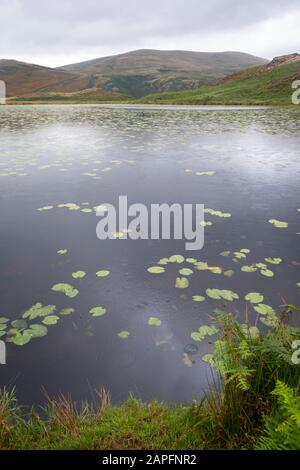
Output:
[[51, 155]]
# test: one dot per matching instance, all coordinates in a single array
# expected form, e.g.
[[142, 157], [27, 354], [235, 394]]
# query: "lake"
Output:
[[57, 163]]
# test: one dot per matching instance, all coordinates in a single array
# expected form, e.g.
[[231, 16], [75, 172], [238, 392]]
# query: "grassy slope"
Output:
[[258, 85]]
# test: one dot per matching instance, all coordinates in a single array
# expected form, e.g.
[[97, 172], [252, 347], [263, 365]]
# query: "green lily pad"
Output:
[[38, 310], [225, 253], [254, 297], [62, 252], [219, 294], [21, 339], [98, 311], [78, 274], [37, 331], [103, 273], [156, 270], [50, 320], [185, 271], [3, 326], [176, 259], [19, 324], [154, 321], [198, 298], [202, 266], [124, 334], [182, 283], [205, 173], [4, 320], [278, 223], [249, 269], [273, 260], [67, 311], [203, 332], [267, 272], [66, 289], [163, 261], [264, 309]]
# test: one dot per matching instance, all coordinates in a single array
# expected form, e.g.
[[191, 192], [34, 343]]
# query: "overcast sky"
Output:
[[60, 32]]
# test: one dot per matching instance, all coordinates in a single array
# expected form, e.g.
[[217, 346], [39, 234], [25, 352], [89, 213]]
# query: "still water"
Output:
[[84, 156]]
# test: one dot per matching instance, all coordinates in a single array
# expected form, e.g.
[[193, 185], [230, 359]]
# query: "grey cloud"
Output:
[[36, 28]]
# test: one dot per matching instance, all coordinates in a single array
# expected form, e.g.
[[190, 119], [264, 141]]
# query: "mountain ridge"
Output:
[[135, 73]]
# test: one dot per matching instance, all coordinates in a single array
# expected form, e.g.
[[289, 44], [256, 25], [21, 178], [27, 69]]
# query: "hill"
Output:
[[141, 72], [134, 74], [267, 84], [23, 79]]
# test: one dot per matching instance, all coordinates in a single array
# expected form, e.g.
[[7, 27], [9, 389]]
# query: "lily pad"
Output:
[[219, 294], [273, 260], [37, 331], [191, 260], [4, 320], [67, 311], [278, 223], [98, 311], [156, 270], [19, 324], [66, 289], [267, 272], [50, 320], [38, 310], [185, 271], [225, 253], [201, 265], [154, 321], [103, 273], [182, 283], [124, 334], [203, 331], [198, 298], [62, 252], [264, 309], [176, 259], [78, 274], [254, 297], [248, 269], [205, 173], [21, 339]]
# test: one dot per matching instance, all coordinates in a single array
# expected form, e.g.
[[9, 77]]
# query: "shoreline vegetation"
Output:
[[253, 403]]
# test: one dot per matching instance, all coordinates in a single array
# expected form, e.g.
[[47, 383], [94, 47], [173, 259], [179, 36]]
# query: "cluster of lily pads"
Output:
[[22, 331], [24, 165], [188, 267], [72, 206]]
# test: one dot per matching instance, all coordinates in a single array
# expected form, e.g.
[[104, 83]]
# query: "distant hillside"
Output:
[[266, 84], [141, 72], [24, 79]]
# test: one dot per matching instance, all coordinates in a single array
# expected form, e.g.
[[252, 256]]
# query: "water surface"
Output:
[[89, 155]]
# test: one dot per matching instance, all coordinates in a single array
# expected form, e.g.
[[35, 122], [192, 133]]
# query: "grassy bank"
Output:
[[255, 406], [255, 86]]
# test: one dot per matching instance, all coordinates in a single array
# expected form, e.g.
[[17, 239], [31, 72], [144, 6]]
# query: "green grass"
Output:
[[255, 403], [256, 86]]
